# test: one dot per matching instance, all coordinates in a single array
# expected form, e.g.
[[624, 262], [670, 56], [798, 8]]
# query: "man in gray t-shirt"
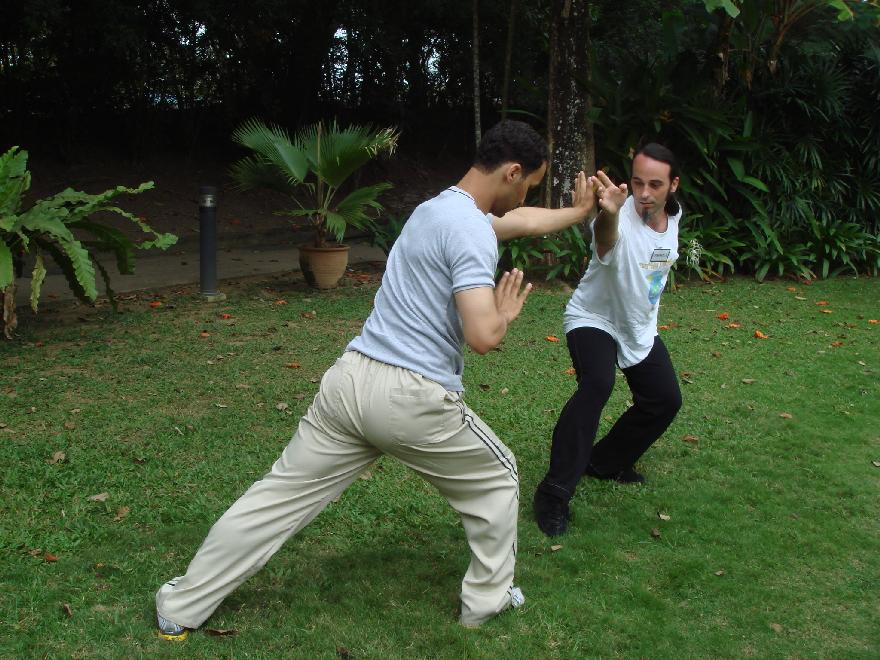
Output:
[[397, 390]]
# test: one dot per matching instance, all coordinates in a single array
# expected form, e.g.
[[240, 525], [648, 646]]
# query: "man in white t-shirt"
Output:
[[611, 321], [397, 390]]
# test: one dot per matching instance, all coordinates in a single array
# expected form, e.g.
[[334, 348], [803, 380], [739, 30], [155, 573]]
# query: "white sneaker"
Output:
[[516, 597], [170, 630]]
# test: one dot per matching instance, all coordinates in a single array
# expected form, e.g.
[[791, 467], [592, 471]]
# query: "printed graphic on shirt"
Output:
[[660, 254], [655, 286]]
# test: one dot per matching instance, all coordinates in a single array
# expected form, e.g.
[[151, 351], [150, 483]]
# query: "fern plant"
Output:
[[50, 227]]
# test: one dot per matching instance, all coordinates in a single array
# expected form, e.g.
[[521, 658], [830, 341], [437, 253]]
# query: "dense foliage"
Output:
[[771, 105], [62, 227]]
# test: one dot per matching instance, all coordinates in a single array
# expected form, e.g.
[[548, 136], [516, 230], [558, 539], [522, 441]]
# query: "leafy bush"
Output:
[[47, 228]]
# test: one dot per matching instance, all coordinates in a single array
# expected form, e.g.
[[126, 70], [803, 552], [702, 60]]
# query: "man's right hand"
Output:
[[509, 299], [611, 197]]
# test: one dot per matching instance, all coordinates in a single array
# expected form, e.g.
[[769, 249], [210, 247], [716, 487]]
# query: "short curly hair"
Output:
[[511, 141]]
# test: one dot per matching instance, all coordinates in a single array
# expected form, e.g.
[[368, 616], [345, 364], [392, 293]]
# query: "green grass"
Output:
[[787, 508]]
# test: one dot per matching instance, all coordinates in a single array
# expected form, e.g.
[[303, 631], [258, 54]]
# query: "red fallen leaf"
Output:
[[280, 302], [204, 335], [691, 439], [664, 327], [874, 321], [761, 335], [156, 303], [724, 316], [733, 324], [235, 221], [225, 316], [551, 338], [822, 303], [292, 365], [571, 371], [825, 311], [837, 344], [48, 556]]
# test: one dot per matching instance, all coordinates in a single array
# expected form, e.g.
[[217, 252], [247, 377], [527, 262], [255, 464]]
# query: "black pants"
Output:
[[656, 400]]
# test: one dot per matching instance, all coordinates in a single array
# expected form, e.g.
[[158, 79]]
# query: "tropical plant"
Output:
[[312, 168], [50, 227]]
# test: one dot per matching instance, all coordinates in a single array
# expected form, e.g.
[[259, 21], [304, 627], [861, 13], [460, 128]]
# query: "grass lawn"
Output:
[[124, 437]]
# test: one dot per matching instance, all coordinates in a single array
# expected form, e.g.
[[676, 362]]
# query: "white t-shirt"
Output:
[[620, 293], [446, 246]]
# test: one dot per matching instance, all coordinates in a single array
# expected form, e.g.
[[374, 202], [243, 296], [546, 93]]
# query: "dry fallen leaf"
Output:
[[571, 371], [280, 302], [716, 354], [873, 321], [785, 415], [733, 325], [691, 439], [554, 548], [69, 426], [343, 653], [655, 533], [822, 303], [220, 632], [309, 315], [836, 344], [49, 557], [686, 377], [826, 311], [551, 338], [68, 612], [57, 457], [799, 298], [664, 516], [748, 381], [225, 316], [504, 390], [204, 335], [719, 573], [121, 512], [293, 365], [875, 463], [156, 303], [100, 497], [485, 387], [776, 627], [760, 335], [791, 288], [724, 316], [221, 405], [366, 476], [281, 406]]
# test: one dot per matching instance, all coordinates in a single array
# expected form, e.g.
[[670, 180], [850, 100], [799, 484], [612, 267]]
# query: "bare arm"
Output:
[[486, 313], [611, 198], [535, 220]]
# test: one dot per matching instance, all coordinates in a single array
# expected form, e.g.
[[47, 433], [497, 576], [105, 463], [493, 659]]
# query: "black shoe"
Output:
[[627, 476], [551, 514]]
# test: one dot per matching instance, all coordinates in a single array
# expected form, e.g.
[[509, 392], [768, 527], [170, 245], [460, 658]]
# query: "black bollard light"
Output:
[[208, 243]]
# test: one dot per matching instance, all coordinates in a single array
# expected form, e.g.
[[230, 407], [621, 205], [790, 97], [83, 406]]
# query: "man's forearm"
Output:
[[605, 229], [536, 221]]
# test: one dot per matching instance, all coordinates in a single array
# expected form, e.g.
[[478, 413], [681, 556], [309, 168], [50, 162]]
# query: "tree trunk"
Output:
[[508, 54], [570, 133], [476, 53]]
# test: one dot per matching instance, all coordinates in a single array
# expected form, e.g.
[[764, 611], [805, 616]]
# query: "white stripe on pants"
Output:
[[364, 408]]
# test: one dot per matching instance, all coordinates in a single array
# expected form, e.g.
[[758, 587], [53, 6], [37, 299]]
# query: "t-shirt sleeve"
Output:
[[472, 256]]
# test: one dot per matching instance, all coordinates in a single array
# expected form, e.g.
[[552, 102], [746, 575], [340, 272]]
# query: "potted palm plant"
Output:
[[312, 168]]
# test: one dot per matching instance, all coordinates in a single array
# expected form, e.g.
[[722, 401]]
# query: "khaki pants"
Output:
[[365, 408]]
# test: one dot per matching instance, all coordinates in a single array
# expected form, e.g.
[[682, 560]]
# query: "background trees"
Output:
[[771, 104]]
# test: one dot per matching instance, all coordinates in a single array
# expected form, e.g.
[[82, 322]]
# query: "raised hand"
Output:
[[583, 197], [611, 197], [508, 297]]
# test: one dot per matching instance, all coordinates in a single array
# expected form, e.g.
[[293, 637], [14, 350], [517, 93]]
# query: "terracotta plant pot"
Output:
[[323, 267]]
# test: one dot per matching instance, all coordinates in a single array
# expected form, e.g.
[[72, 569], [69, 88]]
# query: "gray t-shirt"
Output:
[[446, 246]]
